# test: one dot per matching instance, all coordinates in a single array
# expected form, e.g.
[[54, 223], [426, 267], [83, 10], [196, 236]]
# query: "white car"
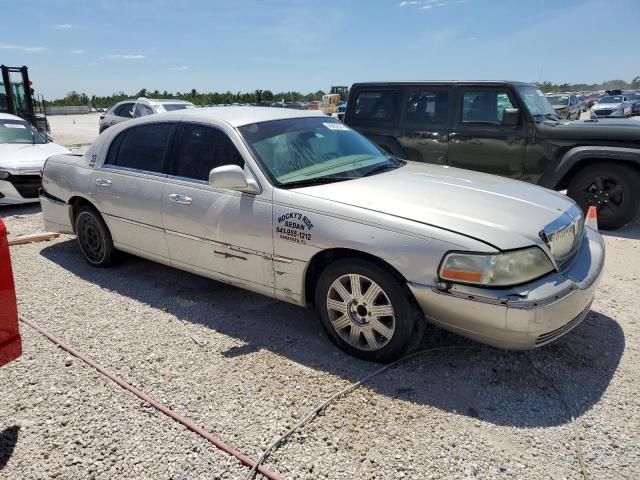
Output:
[[23, 151], [128, 109], [297, 206]]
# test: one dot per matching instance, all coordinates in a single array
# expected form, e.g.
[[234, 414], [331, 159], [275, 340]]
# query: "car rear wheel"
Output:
[[366, 311], [94, 238], [613, 189]]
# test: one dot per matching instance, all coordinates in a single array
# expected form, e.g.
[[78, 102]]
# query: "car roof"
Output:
[[8, 116], [239, 116], [442, 82], [164, 100]]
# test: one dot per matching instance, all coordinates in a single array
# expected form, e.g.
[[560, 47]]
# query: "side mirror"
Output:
[[232, 177], [510, 117]]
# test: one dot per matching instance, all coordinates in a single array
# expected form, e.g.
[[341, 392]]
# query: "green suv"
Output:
[[509, 129]]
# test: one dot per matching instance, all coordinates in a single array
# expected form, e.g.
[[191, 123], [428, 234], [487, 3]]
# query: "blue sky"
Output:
[[103, 46]]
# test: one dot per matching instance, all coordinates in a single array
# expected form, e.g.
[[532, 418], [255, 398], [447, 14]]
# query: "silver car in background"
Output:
[[612, 106], [128, 109], [297, 206]]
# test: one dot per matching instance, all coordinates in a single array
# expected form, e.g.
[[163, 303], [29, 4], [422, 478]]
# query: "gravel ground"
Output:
[[247, 367]]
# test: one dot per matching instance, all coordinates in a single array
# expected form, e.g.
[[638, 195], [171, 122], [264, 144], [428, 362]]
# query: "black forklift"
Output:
[[18, 98]]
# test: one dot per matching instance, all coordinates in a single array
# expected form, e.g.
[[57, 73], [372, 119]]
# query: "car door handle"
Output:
[[182, 199], [103, 182]]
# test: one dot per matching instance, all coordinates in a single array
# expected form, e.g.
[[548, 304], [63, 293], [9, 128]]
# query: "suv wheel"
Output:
[[366, 311], [613, 189], [94, 238]]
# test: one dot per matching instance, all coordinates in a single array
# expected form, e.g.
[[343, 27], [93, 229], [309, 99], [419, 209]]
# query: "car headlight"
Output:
[[4, 174], [495, 270]]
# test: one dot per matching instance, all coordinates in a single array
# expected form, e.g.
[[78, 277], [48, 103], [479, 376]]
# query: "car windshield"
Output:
[[535, 101], [307, 151], [170, 107], [612, 99], [19, 131], [559, 100]]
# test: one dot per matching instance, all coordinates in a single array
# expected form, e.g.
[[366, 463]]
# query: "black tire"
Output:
[[404, 323], [94, 237], [613, 189]]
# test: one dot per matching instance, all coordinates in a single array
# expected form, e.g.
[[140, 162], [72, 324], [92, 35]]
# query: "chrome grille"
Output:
[[563, 236]]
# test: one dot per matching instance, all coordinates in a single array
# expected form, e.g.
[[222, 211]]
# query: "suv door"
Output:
[[127, 188], [218, 232], [479, 140], [424, 125]]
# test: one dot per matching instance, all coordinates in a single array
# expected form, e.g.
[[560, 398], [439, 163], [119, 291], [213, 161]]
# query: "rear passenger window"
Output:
[[484, 106], [124, 110], [375, 106], [202, 149], [141, 148], [426, 107]]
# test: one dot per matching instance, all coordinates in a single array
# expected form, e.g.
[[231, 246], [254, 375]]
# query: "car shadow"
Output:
[[8, 442], [630, 231], [21, 209], [492, 385]]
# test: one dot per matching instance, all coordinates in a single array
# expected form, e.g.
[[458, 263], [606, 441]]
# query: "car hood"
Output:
[[605, 130], [503, 213], [25, 156]]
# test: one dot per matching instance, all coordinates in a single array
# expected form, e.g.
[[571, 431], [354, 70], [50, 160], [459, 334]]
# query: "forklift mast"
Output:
[[17, 98]]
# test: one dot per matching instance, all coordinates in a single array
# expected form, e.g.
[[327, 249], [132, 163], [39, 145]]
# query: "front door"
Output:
[[127, 189], [478, 140], [221, 233]]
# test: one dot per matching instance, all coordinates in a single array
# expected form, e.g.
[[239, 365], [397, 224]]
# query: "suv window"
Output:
[[426, 107], [141, 148], [375, 106], [484, 106], [124, 110], [142, 110], [202, 149]]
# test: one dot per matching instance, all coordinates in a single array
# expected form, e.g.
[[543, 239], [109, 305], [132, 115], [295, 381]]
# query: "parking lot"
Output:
[[246, 368]]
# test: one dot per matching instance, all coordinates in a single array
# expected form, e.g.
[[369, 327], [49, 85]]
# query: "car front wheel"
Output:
[[366, 311], [613, 189], [94, 238]]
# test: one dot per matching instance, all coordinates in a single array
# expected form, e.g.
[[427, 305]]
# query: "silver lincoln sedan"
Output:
[[297, 206]]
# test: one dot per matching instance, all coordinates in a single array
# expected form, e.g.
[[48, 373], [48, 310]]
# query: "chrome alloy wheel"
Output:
[[360, 312]]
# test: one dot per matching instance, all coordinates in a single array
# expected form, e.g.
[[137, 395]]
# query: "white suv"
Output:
[[141, 107]]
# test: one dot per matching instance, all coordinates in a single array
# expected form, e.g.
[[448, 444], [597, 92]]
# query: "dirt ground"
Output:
[[247, 367]]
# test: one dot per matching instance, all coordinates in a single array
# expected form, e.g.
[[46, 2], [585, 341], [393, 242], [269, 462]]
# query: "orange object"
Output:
[[10, 341], [592, 218]]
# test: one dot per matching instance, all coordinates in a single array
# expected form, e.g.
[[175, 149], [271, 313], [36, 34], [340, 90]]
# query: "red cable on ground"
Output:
[[140, 394]]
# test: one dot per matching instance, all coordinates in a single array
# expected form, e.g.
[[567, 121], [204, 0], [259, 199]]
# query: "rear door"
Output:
[[478, 140], [425, 122], [219, 232], [127, 188]]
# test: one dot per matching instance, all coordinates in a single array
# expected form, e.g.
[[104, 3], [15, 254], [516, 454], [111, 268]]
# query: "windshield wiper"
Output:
[[307, 182], [380, 169]]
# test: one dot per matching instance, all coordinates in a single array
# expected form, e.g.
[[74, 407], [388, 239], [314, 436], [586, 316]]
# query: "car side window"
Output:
[[375, 106], [426, 107], [124, 110], [142, 110], [141, 148], [484, 106], [202, 149]]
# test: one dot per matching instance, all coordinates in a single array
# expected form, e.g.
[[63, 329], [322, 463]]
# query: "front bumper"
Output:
[[614, 114], [523, 317], [19, 189]]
